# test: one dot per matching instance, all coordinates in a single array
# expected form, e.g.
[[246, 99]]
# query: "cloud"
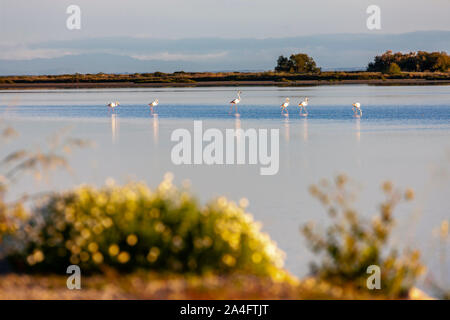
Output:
[[128, 54], [37, 51], [23, 52], [168, 56]]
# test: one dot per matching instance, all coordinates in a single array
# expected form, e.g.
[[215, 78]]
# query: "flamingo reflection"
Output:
[[286, 128], [358, 129], [114, 127], [155, 128], [237, 122], [305, 129]]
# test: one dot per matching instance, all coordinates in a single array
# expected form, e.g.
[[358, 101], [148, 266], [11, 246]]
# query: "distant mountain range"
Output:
[[129, 55]]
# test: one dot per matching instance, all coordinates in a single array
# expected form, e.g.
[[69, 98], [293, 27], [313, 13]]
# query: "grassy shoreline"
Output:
[[204, 79]]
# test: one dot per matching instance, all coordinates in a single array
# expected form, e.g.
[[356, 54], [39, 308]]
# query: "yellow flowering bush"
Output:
[[351, 244], [12, 166], [132, 227], [11, 217]]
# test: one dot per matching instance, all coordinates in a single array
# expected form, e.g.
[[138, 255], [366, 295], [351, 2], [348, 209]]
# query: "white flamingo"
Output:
[[284, 106], [235, 101], [357, 109], [153, 104], [112, 105], [303, 106]]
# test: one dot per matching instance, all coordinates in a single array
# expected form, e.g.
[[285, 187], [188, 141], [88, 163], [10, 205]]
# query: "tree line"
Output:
[[420, 61], [388, 62]]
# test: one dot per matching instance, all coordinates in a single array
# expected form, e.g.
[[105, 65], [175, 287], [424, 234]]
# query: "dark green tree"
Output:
[[284, 65], [299, 63], [303, 63]]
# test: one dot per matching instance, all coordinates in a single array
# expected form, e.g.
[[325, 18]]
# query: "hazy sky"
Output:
[[144, 31], [22, 21]]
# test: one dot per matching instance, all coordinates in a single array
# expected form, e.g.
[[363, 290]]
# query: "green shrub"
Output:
[[131, 227], [394, 69], [351, 244]]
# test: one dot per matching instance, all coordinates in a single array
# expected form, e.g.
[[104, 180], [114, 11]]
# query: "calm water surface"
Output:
[[403, 136]]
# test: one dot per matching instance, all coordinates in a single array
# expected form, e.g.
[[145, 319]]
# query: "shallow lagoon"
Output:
[[403, 136]]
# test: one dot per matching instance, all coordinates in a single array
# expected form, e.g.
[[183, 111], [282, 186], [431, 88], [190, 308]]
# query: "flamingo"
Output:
[[303, 106], [112, 105], [284, 106], [235, 101], [153, 104], [357, 108]]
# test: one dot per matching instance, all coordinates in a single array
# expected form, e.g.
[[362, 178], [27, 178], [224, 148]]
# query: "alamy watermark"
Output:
[[73, 22], [374, 20], [74, 280], [374, 280], [190, 148]]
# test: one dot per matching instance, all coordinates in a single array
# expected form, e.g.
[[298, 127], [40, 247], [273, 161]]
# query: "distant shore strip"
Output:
[[208, 79]]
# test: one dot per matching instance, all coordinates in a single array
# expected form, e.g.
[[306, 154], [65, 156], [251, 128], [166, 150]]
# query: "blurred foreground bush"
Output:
[[132, 227], [351, 244]]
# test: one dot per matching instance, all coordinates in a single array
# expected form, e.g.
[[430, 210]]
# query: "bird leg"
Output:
[[305, 112], [302, 109]]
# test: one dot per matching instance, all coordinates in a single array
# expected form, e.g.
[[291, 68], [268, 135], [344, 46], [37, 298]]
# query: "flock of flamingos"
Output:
[[356, 107]]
